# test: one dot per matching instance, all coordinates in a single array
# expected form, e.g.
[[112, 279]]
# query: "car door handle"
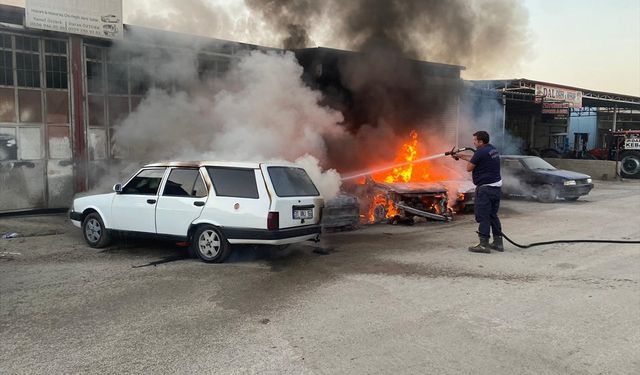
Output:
[[198, 203], [151, 201]]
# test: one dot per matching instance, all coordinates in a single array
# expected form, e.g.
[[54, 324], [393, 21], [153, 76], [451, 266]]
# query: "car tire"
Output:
[[94, 231], [379, 213], [630, 164], [546, 194], [210, 245], [571, 199]]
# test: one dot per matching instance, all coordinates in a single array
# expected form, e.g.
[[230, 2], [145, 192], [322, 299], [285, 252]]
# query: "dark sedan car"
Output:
[[533, 177]]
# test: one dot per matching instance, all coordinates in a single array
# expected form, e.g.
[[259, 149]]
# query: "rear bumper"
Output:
[[574, 191], [272, 237]]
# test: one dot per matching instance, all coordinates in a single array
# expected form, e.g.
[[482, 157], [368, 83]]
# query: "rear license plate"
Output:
[[303, 214]]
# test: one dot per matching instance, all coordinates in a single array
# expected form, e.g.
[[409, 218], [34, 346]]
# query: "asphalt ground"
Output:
[[385, 300]]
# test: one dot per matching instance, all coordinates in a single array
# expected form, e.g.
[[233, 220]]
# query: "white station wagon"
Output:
[[210, 204]]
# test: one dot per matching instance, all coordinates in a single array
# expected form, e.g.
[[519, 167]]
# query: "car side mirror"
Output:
[[117, 188]]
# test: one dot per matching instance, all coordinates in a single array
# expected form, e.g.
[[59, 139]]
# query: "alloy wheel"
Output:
[[209, 244], [93, 230]]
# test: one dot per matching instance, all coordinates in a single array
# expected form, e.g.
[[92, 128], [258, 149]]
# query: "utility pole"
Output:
[[504, 122]]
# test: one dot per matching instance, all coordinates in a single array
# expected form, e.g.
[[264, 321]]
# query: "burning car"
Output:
[[413, 187], [465, 192], [400, 202]]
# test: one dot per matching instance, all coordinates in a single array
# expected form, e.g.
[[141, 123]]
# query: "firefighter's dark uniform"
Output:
[[486, 176]]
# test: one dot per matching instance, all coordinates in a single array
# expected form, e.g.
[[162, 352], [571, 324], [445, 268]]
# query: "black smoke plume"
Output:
[[383, 90], [480, 34]]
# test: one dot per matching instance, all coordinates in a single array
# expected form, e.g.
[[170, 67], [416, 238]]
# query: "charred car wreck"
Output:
[[397, 203], [401, 202]]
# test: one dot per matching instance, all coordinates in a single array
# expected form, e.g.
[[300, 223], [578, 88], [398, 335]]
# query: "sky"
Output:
[[591, 44]]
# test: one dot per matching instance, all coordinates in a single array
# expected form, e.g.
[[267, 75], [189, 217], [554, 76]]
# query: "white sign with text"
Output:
[[96, 18]]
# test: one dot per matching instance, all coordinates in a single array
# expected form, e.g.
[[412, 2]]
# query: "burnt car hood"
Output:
[[413, 187], [569, 175]]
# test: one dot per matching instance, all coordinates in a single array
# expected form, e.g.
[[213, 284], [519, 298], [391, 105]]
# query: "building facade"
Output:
[[61, 97]]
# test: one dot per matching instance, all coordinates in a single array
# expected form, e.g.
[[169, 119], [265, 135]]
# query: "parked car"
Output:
[[210, 204], [532, 176], [342, 212]]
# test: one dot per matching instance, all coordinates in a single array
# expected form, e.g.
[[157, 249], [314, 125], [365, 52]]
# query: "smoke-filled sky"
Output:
[[586, 43]]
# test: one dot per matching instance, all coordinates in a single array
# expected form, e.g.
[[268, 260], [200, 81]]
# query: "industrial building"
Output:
[[62, 96], [557, 120]]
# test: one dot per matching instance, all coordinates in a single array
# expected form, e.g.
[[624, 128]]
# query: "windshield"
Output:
[[292, 182], [537, 163]]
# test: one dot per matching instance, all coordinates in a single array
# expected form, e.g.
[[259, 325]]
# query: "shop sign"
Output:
[[558, 110], [96, 18], [559, 94]]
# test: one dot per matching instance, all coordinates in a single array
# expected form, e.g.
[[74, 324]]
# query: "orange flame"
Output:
[[412, 172], [380, 202], [407, 153]]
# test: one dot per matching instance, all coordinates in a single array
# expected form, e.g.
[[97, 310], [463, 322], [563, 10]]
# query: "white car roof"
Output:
[[233, 164]]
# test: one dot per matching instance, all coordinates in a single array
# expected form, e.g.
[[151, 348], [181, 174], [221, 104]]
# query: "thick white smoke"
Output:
[[261, 110]]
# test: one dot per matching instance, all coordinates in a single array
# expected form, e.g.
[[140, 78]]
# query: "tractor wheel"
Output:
[[630, 164]]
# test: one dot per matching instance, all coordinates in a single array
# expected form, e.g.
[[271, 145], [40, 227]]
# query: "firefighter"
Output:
[[484, 166]]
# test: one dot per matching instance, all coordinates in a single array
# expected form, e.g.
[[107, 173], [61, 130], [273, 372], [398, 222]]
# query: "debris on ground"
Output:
[[10, 235]]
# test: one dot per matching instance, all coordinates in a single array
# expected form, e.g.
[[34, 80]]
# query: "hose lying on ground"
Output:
[[565, 241]]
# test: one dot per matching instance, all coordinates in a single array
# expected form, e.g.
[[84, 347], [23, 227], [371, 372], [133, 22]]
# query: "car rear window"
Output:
[[291, 182], [234, 182]]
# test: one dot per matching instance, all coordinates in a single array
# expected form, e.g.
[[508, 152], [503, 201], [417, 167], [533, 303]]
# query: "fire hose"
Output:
[[564, 241]]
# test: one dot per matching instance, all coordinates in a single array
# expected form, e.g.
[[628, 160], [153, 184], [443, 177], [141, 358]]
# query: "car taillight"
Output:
[[273, 221]]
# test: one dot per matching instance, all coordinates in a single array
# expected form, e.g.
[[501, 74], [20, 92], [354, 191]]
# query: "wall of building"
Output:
[[597, 169], [583, 123], [57, 129], [36, 169]]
